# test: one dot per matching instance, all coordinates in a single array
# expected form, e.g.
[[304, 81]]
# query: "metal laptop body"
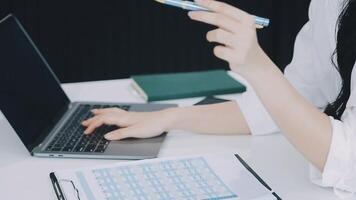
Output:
[[37, 108]]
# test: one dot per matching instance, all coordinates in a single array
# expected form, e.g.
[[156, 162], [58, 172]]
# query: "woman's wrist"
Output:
[[257, 64], [174, 117]]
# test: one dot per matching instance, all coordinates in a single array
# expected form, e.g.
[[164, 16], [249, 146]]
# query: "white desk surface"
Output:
[[277, 162]]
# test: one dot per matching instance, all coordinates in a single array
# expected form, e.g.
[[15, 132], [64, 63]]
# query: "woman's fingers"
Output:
[[225, 53], [107, 110], [93, 124], [120, 134], [236, 33], [228, 10], [142, 130], [153, 125], [102, 116], [98, 121], [221, 36], [214, 19]]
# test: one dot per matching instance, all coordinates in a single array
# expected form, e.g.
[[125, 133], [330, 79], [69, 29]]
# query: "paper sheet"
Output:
[[200, 177]]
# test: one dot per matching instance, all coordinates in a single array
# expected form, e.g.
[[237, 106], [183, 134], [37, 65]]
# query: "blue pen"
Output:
[[189, 5]]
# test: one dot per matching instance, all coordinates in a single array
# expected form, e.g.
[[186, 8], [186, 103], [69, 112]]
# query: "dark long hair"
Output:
[[345, 55]]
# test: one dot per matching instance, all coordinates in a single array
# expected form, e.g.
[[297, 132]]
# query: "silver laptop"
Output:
[[39, 111]]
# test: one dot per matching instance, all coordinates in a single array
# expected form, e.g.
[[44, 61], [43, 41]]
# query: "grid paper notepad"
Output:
[[190, 178]]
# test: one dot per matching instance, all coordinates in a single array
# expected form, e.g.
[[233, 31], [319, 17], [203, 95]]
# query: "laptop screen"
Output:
[[30, 96]]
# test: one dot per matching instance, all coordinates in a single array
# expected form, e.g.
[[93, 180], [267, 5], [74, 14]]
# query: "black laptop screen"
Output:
[[30, 96]]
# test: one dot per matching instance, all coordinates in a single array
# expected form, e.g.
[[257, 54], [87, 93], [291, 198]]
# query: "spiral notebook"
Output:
[[196, 177]]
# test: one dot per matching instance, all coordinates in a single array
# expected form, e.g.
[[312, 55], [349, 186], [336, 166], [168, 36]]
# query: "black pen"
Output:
[[56, 187], [257, 176]]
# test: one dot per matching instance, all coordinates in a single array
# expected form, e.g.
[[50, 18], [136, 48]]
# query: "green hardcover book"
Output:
[[185, 85]]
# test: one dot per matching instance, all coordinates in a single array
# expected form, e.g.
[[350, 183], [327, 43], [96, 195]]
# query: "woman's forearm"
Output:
[[306, 127], [222, 118]]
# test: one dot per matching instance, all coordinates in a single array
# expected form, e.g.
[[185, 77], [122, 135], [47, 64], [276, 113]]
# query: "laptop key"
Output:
[[67, 149], [100, 149], [79, 148], [56, 149], [90, 148]]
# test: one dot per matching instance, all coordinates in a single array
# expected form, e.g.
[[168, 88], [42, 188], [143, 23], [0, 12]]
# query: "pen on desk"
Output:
[[189, 5], [56, 187]]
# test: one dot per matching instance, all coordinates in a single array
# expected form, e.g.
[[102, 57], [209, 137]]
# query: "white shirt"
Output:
[[312, 73]]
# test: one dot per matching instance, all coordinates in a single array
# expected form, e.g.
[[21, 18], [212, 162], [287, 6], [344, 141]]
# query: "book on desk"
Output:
[[159, 87]]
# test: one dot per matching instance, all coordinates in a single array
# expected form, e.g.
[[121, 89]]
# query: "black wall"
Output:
[[92, 40]]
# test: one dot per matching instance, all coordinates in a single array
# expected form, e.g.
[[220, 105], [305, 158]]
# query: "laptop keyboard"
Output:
[[72, 139]]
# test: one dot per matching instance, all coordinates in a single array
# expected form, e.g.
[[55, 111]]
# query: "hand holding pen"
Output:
[[189, 5], [235, 34]]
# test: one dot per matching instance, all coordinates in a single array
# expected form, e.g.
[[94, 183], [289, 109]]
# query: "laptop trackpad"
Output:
[[136, 148]]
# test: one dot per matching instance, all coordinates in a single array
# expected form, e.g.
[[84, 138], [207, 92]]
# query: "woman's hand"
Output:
[[204, 119], [133, 124], [236, 33], [306, 127]]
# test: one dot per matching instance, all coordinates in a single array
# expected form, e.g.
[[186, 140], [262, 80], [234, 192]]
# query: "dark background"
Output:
[[94, 40]]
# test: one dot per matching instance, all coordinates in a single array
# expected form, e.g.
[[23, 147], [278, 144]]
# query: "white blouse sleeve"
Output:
[[303, 71], [306, 71], [340, 168]]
